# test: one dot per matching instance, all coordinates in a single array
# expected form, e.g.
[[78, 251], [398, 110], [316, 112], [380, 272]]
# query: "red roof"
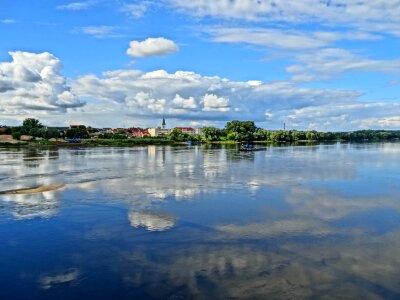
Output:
[[185, 128]]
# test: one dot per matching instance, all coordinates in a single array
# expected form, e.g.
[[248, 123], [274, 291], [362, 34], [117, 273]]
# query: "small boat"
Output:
[[247, 147], [74, 141], [250, 147]]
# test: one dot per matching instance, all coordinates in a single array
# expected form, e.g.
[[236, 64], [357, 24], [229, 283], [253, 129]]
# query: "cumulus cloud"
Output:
[[192, 97], [32, 82], [151, 47], [183, 103], [214, 103]]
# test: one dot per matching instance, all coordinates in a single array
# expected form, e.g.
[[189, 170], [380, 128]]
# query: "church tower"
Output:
[[164, 124]]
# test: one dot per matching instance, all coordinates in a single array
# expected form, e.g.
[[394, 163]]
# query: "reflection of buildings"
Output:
[[152, 221]]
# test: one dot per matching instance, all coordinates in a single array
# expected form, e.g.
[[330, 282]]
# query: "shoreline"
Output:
[[131, 143]]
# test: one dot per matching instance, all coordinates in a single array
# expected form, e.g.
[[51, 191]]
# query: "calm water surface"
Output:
[[318, 222]]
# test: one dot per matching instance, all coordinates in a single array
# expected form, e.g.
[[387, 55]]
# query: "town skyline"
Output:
[[320, 65]]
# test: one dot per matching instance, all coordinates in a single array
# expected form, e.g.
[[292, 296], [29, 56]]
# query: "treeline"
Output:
[[233, 131], [33, 127], [248, 131]]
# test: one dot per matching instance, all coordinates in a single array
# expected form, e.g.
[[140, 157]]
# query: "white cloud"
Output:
[[183, 103], [191, 97], [266, 37], [8, 21], [144, 103], [214, 103], [151, 47], [384, 122], [380, 15], [136, 10], [282, 38], [325, 63], [77, 5], [100, 31], [32, 82]]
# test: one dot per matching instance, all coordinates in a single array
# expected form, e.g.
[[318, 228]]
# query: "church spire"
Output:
[[163, 123]]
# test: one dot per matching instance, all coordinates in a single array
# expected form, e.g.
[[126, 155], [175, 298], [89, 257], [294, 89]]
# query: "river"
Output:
[[202, 222]]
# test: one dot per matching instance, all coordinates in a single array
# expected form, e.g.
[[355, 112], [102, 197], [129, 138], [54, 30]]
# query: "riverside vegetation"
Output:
[[234, 131]]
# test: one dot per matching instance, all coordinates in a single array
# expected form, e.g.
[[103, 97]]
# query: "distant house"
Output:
[[118, 130], [137, 132], [160, 131], [187, 130], [77, 127]]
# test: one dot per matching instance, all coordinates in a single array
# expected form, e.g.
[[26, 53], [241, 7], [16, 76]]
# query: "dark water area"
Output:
[[294, 222]]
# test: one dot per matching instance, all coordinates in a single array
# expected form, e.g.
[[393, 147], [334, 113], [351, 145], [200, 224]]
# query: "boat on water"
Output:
[[74, 141], [246, 147]]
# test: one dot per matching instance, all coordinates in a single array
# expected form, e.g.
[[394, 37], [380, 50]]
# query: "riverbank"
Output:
[[163, 142]]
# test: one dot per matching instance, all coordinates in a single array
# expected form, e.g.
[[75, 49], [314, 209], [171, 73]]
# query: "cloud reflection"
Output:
[[53, 279], [152, 221], [23, 207]]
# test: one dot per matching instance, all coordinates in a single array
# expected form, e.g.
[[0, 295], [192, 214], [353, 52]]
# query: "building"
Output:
[[154, 132], [77, 127], [137, 132], [198, 131], [187, 130], [160, 131]]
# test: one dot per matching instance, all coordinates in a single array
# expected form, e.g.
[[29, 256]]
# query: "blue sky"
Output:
[[326, 65]]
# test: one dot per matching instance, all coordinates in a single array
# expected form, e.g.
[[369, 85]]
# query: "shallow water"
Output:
[[201, 223]]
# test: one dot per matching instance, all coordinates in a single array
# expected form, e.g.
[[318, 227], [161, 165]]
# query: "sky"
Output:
[[327, 65]]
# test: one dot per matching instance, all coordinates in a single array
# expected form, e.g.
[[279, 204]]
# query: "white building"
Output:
[[160, 131]]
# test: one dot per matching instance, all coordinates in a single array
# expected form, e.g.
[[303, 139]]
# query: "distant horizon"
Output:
[[172, 127], [314, 65]]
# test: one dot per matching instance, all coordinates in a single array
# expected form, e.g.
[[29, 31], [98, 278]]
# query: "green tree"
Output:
[[211, 134], [241, 130], [52, 133], [77, 133], [29, 124], [16, 135], [280, 136], [179, 136], [36, 132], [261, 134]]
